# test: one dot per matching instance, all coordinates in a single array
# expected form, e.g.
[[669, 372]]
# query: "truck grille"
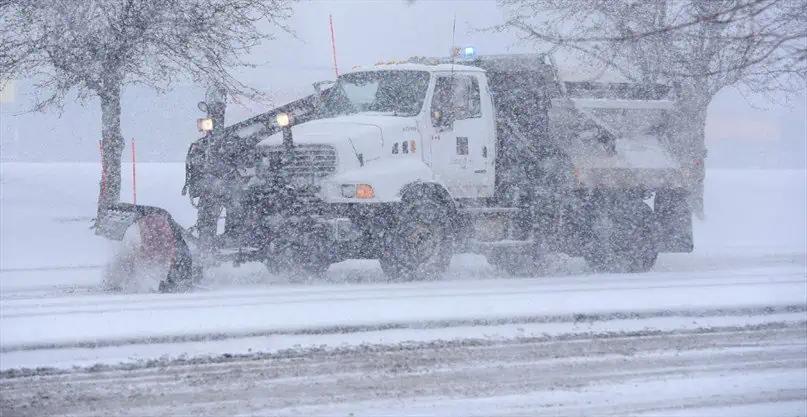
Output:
[[306, 163]]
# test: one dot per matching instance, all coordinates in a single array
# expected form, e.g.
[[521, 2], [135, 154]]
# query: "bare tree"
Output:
[[700, 46], [96, 47]]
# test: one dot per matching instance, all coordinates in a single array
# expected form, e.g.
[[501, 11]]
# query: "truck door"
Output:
[[459, 145]]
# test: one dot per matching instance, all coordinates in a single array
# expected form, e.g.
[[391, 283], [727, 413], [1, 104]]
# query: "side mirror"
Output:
[[437, 117], [202, 106], [442, 119]]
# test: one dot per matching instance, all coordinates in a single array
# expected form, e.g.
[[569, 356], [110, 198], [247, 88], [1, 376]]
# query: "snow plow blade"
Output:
[[160, 241]]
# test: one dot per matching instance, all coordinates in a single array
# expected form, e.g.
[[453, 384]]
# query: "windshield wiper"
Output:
[[359, 156]]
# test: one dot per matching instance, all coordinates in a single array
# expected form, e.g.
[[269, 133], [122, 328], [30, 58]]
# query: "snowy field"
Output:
[[721, 331]]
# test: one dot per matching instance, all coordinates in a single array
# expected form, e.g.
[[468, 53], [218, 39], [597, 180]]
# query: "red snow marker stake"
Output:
[[134, 174], [333, 46]]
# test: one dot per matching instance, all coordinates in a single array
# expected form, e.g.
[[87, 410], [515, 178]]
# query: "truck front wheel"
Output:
[[418, 245], [623, 240]]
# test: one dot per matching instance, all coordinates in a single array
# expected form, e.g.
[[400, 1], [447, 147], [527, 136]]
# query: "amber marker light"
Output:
[[364, 191]]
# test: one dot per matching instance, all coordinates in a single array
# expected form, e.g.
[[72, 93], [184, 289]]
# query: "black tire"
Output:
[[419, 244], [623, 240]]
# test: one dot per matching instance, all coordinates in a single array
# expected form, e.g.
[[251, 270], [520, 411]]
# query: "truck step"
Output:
[[481, 245], [488, 211]]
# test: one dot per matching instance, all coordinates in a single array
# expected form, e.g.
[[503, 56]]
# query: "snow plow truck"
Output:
[[412, 162]]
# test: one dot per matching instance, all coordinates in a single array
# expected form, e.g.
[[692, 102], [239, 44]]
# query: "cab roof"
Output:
[[407, 66]]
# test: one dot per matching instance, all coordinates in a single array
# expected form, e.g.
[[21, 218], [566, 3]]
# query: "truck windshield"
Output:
[[397, 93]]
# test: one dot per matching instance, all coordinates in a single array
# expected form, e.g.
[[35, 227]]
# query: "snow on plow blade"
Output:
[[151, 240]]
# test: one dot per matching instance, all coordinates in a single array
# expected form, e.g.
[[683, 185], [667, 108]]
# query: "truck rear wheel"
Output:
[[623, 240], [418, 246]]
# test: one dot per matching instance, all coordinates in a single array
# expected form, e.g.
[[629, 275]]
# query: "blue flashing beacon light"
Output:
[[467, 53]]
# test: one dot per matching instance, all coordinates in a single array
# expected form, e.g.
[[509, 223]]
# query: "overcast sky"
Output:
[[366, 32]]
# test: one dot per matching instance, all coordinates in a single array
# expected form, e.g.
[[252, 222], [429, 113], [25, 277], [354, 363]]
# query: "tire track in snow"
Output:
[[14, 310], [429, 324], [618, 374]]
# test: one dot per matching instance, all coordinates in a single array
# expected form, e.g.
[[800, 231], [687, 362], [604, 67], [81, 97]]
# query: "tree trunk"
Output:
[[697, 167], [111, 147], [689, 134]]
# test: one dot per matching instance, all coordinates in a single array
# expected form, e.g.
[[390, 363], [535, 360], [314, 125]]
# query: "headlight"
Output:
[[283, 119], [204, 124], [363, 191]]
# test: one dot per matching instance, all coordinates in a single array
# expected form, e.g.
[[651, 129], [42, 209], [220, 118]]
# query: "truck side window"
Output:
[[456, 98], [470, 103], [442, 110]]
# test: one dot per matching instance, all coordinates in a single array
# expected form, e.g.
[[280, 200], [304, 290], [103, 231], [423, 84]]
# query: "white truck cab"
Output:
[[391, 125]]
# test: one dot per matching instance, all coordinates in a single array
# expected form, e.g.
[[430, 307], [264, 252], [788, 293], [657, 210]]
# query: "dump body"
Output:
[[610, 134]]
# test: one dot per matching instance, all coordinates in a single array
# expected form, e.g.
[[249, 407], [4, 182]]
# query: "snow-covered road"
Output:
[[719, 331], [84, 329], [726, 370]]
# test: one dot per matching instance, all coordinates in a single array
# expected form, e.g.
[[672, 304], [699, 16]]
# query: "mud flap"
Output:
[[673, 221], [162, 241]]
